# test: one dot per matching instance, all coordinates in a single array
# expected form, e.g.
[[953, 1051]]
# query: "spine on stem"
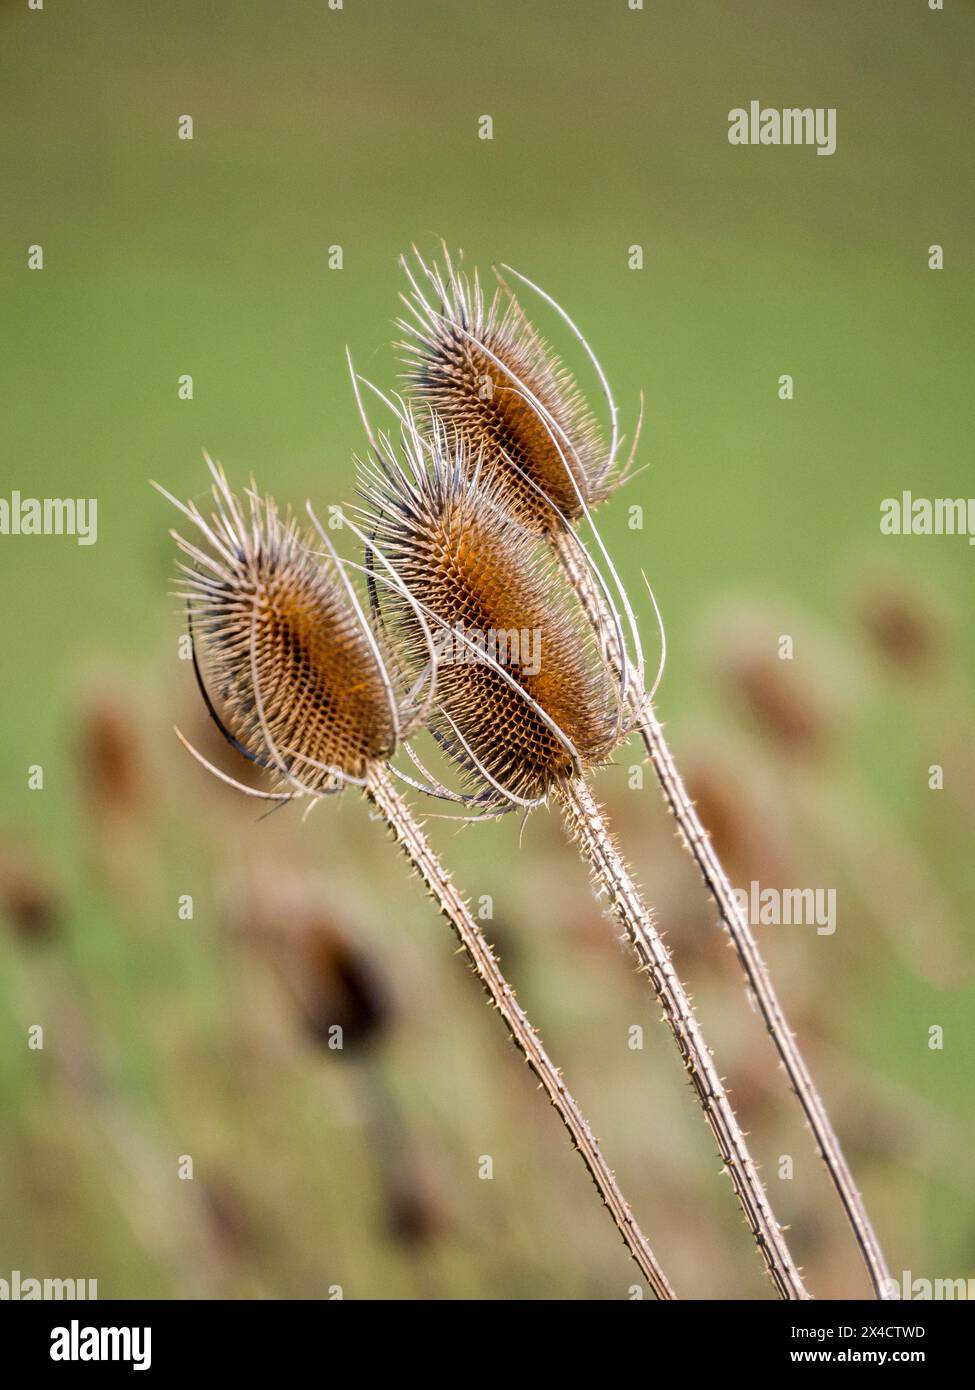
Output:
[[585, 822], [415, 845], [734, 921]]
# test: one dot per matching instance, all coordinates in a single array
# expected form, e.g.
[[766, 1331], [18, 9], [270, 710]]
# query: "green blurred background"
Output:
[[168, 1037]]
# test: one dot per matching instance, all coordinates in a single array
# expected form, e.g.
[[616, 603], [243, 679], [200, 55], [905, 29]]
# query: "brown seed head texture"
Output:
[[273, 632], [471, 565], [454, 377]]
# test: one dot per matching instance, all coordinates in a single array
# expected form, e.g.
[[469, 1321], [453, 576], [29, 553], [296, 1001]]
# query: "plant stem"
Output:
[[585, 822], [735, 922], [760, 983], [410, 836]]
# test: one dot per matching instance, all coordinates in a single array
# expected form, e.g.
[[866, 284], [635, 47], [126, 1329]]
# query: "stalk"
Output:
[[735, 922], [585, 823], [411, 838]]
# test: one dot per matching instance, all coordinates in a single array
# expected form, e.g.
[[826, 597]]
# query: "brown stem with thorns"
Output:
[[733, 918], [585, 822], [411, 838], [304, 691]]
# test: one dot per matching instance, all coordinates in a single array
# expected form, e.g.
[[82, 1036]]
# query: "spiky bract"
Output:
[[287, 662], [492, 597], [481, 366]]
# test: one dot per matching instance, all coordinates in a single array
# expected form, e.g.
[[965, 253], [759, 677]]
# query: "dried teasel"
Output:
[[27, 897], [342, 1003], [904, 623], [299, 681], [287, 917], [468, 568], [522, 696], [112, 756], [415, 1214], [339, 988], [461, 349], [117, 784], [785, 709], [480, 366], [301, 685]]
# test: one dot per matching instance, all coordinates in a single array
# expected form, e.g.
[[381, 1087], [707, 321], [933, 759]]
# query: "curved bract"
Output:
[[294, 676], [523, 697], [485, 371]]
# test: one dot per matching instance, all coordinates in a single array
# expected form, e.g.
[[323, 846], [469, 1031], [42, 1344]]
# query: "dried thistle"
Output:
[[304, 690], [466, 562], [542, 505]]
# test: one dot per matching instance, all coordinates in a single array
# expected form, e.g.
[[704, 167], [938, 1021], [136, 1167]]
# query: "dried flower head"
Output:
[[112, 755], [415, 1212], [303, 682], [340, 987], [522, 695], [904, 625], [785, 708], [296, 679], [288, 917], [485, 371], [27, 897]]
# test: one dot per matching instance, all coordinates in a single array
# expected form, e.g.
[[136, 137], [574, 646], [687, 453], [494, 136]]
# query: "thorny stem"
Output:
[[417, 848], [585, 821], [759, 981], [735, 922]]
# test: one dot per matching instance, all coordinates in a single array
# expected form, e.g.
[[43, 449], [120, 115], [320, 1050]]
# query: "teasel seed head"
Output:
[[785, 709], [112, 756], [287, 663], [483, 369], [284, 914], [523, 698], [904, 623], [27, 897], [416, 1215]]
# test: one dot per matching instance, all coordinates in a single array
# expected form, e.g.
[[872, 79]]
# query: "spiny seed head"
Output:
[[477, 364], [477, 574], [287, 663]]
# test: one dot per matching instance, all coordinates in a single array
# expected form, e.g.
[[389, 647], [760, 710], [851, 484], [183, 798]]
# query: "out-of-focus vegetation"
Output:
[[166, 1036]]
